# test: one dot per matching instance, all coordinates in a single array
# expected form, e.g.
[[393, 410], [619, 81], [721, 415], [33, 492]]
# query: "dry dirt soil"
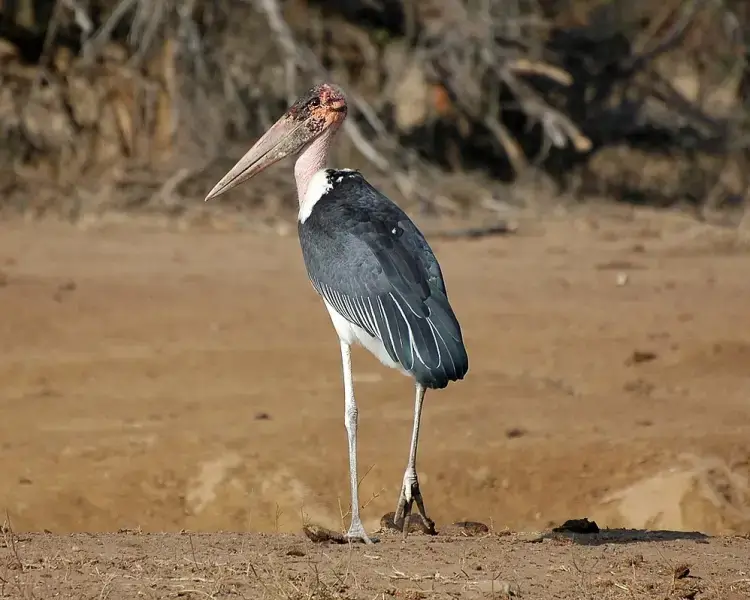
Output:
[[158, 381]]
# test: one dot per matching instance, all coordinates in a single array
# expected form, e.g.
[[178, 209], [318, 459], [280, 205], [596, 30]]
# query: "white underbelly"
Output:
[[351, 333]]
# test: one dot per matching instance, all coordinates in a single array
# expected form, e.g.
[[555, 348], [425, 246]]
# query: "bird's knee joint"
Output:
[[350, 415], [410, 478]]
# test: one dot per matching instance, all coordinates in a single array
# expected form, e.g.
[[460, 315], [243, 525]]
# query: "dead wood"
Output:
[[133, 104]]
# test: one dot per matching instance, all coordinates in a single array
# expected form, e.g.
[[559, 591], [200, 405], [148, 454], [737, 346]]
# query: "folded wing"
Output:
[[374, 267]]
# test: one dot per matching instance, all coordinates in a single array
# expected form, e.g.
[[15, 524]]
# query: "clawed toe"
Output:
[[358, 534], [403, 510]]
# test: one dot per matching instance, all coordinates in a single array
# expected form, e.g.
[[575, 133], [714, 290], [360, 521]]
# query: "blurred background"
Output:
[[581, 167]]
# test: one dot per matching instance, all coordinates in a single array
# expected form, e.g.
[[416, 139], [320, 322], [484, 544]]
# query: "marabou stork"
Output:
[[372, 267]]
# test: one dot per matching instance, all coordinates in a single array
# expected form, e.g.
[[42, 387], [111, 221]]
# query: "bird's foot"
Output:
[[409, 495], [357, 533]]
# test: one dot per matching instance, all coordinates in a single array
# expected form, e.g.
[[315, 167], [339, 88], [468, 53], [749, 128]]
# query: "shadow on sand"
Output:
[[626, 536]]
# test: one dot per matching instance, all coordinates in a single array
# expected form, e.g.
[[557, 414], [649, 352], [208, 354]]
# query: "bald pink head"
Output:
[[316, 115]]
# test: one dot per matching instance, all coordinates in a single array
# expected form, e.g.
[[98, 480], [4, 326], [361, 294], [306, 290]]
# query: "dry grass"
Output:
[[290, 568]]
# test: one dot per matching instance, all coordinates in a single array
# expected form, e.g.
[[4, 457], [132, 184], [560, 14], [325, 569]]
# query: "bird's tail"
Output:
[[443, 344]]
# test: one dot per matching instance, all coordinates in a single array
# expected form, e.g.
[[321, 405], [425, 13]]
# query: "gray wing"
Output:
[[372, 264]]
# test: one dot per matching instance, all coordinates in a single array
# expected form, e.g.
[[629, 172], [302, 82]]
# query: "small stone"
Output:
[[515, 432], [640, 356], [319, 534], [467, 528], [681, 571], [577, 526]]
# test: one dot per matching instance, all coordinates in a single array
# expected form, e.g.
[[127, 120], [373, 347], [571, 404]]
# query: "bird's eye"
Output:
[[314, 102]]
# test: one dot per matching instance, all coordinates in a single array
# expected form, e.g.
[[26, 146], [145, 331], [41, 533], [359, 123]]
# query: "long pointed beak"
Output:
[[277, 143]]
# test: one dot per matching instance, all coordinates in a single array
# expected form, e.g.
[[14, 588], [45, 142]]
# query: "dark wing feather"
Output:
[[371, 263]]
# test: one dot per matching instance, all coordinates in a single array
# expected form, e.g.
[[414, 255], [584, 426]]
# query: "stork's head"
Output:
[[320, 109]]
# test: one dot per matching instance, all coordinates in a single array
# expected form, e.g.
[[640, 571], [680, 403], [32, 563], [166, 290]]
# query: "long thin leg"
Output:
[[410, 491], [356, 529]]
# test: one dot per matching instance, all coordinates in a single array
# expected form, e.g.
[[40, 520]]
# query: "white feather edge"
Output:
[[320, 183]]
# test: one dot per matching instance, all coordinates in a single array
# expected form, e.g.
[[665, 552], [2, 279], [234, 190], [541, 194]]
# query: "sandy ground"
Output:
[[162, 381], [445, 567]]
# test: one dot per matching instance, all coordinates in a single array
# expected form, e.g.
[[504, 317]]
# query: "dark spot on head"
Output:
[[320, 108], [323, 101]]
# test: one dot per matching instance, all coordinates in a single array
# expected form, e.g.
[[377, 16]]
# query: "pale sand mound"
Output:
[[259, 494], [697, 494]]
